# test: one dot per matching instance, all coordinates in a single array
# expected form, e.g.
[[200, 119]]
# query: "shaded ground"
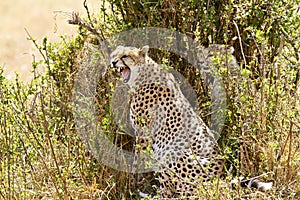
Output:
[[40, 18]]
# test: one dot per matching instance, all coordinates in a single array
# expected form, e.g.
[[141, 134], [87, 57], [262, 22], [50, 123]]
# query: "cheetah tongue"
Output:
[[125, 74]]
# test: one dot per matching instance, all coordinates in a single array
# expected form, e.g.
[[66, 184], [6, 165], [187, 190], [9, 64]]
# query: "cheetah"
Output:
[[184, 148], [214, 61]]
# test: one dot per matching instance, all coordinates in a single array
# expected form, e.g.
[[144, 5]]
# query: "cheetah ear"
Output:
[[144, 50], [230, 49], [120, 47]]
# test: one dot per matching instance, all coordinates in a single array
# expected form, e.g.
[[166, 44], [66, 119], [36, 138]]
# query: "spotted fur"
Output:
[[184, 147]]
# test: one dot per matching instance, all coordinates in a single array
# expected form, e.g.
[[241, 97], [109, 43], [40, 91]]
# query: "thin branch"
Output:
[[260, 52], [76, 20], [240, 41], [45, 57], [289, 38], [297, 54], [290, 152], [88, 13], [46, 129]]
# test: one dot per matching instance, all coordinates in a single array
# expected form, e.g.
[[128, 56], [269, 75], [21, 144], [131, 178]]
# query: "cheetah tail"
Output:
[[255, 183]]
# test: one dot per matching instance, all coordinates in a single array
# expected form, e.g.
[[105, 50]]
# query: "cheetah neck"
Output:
[[144, 74]]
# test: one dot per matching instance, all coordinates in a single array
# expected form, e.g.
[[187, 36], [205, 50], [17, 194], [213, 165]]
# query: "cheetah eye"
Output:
[[209, 55], [125, 56]]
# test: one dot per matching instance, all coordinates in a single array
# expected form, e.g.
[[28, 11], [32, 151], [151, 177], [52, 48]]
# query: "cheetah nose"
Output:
[[114, 63]]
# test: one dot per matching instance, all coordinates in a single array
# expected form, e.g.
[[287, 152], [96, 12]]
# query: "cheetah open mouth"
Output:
[[125, 74]]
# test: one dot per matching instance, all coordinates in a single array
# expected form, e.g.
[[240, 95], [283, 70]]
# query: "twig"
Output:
[[296, 50], [289, 38], [289, 153], [46, 129], [76, 20], [260, 53], [261, 175], [37, 145], [88, 13], [240, 41], [45, 57]]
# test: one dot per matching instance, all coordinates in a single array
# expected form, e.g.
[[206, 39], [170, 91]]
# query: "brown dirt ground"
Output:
[[40, 18]]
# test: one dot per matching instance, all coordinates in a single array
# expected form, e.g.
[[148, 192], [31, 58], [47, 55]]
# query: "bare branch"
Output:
[[76, 20], [240, 41]]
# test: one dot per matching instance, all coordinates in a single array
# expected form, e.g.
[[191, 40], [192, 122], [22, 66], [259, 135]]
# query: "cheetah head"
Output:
[[217, 54], [128, 60]]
